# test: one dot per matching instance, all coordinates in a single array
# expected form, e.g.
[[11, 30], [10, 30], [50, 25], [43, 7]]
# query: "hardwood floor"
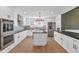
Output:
[[26, 47]]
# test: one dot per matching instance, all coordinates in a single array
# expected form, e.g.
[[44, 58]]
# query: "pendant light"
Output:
[[39, 18]]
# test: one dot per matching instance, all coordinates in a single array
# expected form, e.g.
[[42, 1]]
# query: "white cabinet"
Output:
[[30, 32], [71, 44], [68, 43], [64, 41], [75, 46], [20, 36], [16, 37], [39, 39], [57, 37], [61, 39]]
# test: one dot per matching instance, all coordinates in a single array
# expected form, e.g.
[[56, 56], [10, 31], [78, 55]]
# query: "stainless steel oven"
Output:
[[6, 33], [7, 25]]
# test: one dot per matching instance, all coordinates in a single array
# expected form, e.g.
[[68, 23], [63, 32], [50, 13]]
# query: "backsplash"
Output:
[[18, 28]]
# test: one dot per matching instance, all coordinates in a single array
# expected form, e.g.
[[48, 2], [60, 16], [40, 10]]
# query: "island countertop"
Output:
[[39, 32]]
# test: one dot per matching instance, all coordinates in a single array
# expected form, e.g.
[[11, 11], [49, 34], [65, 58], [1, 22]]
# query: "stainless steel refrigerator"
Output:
[[51, 28]]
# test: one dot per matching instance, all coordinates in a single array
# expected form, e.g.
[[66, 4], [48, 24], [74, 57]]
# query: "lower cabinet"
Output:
[[70, 44], [57, 37], [29, 32], [75, 46], [20, 36]]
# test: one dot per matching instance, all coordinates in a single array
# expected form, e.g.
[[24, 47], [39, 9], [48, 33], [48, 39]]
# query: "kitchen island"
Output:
[[39, 38]]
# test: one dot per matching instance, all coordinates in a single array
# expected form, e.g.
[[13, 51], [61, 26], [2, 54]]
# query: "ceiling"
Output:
[[44, 10]]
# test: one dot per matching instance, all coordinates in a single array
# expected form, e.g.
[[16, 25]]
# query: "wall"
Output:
[[70, 20], [5, 11], [17, 27], [16, 12], [29, 21], [58, 22]]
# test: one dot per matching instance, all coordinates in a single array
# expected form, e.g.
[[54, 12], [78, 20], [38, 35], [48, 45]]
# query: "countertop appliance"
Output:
[[6, 33]]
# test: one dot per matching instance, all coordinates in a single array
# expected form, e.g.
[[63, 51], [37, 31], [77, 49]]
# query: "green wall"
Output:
[[70, 20]]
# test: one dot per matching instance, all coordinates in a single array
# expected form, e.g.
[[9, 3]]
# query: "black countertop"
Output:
[[39, 32], [71, 34]]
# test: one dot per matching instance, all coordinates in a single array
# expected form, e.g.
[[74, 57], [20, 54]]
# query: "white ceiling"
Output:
[[44, 10]]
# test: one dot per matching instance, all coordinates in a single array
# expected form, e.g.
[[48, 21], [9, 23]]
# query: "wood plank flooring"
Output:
[[26, 47]]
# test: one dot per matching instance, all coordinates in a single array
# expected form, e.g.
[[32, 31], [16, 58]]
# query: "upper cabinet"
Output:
[[28, 21], [20, 20]]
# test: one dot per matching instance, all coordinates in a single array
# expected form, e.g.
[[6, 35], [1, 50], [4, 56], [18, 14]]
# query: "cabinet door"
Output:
[[70, 44], [29, 32], [57, 37], [16, 37], [75, 46], [65, 42]]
